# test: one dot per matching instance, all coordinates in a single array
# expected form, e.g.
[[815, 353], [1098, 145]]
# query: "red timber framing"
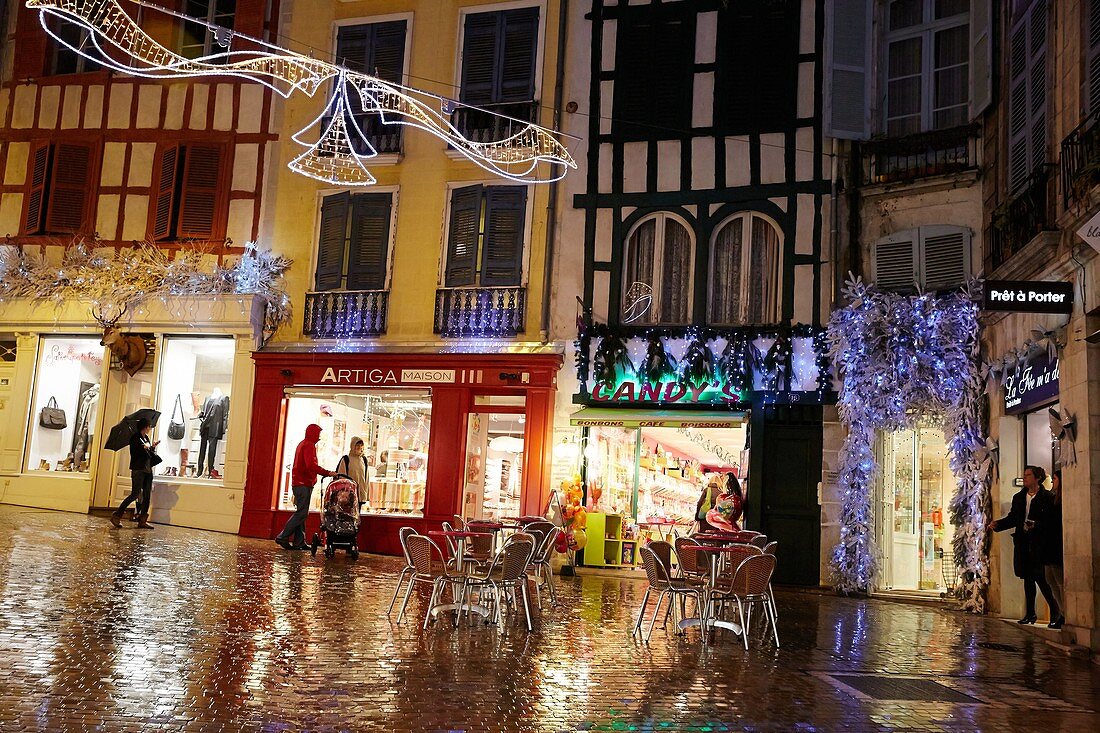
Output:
[[453, 400], [129, 122]]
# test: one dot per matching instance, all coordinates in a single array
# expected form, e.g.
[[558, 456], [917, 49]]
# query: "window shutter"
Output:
[[1037, 93], [944, 256], [981, 55], [502, 255], [353, 47], [1027, 129], [520, 40], [1093, 41], [479, 53], [387, 59], [199, 194], [654, 78], [462, 237], [756, 84], [894, 262], [165, 193], [69, 188], [34, 220], [1018, 166], [330, 242], [369, 244], [847, 69]]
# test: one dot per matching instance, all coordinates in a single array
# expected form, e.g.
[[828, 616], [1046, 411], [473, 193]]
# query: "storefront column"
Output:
[[538, 451], [236, 434], [446, 451], [14, 435]]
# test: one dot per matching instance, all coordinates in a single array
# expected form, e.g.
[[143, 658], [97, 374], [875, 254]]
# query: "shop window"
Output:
[[655, 67], [927, 259], [377, 49], [59, 188], [486, 236], [67, 387], [62, 59], [1027, 94], [395, 428], [196, 377], [927, 65], [744, 285], [756, 84], [1040, 445], [498, 67], [494, 465], [353, 248], [188, 193], [198, 39], [657, 271]]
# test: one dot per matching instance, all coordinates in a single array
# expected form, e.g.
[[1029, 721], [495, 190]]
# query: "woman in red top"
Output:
[[303, 475]]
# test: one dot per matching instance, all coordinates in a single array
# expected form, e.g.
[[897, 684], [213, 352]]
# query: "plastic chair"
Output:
[[402, 534]]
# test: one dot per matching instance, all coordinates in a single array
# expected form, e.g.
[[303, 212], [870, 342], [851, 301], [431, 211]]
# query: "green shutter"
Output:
[[330, 243], [369, 242], [463, 236], [502, 255]]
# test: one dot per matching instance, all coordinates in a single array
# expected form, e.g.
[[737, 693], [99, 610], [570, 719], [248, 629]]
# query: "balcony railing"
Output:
[[1081, 159], [345, 314], [480, 312], [1017, 221], [478, 126], [383, 138], [909, 158]]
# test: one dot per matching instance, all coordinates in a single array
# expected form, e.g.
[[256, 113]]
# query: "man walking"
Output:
[[303, 475]]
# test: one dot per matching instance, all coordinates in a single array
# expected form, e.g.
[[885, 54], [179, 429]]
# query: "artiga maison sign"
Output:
[[334, 375]]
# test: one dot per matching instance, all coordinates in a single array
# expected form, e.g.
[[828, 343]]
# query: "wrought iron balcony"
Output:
[[345, 314], [383, 138], [480, 312], [478, 126], [1017, 221], [910, 158], [1081, 159]]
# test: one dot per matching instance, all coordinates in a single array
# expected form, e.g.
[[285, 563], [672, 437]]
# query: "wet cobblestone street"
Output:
[[181, 630]]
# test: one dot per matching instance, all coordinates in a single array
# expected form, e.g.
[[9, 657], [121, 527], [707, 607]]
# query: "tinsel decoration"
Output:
[[656, 363], [697, 364], [736, 363], [1063, 426], [611, 358], [144, 273], [906, 360]]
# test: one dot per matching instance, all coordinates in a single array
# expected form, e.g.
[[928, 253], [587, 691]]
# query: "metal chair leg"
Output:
[[656, 613], [397, 589], [405, 602], [526, 603], [775, 627], [641, 612], [744, 625], [431, 603]]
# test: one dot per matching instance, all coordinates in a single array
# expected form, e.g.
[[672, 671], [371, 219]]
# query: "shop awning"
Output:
[[606, 417]]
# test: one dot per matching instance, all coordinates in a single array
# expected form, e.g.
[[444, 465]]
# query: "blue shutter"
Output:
[[502, 255], [369, 243], [463, 236]]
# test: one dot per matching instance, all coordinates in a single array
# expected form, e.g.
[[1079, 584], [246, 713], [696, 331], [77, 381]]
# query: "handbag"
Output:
[[154, 459], [176, 429], [52, 417]]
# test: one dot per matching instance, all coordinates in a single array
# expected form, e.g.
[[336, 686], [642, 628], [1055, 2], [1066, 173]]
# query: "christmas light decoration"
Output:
[[906, 360], [528, 153]]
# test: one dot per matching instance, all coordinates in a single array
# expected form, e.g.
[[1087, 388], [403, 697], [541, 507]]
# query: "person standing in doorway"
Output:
[[1051, 534], [1030, 512], [303, 475], [141, 476]]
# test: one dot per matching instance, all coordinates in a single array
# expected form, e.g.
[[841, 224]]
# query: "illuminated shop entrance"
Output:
[[914, 528]]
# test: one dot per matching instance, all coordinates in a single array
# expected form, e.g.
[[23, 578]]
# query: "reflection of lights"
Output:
[[506, 444]]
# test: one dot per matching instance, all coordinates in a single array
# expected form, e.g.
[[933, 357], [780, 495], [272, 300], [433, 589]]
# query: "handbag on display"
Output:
[[52, 417], [176, 429]]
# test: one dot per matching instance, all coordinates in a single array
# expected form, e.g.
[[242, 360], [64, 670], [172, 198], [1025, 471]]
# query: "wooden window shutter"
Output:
[[387, 58], [654, 78], [353, 47], [479, 53], [1018, 131], [1092, 39], [981, 56], [1037, 91], [34, 220], [848, 36], [894, 260], [944, 255], [200, 192], [519, 41], [164, 194], [69, 188], [502, 255], [369, 243], [330, 242], [756, 85], [463, 236]]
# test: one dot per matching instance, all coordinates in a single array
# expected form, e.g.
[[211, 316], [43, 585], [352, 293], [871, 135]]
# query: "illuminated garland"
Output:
[[115, 41], [904, 360]]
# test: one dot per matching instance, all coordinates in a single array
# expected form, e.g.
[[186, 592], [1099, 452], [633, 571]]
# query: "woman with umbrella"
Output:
[[142, 460]]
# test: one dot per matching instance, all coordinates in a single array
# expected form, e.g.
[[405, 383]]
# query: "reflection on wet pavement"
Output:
[[180, 630]]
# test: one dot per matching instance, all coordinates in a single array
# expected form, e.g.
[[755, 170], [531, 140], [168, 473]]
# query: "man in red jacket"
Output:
[[303, 475]]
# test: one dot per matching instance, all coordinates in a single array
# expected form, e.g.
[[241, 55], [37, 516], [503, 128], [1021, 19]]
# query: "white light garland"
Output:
[[531, 154]]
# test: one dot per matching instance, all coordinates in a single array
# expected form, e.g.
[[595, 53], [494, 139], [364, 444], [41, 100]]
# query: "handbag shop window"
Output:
[[194, 401], [394, 426], [66, 402]]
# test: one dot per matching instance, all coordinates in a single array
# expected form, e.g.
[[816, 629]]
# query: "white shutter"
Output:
[[893, 262], [981, 55], [944, 254], [848, 69]]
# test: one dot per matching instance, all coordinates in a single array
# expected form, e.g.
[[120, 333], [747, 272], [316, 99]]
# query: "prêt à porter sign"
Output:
[[1028, 296]]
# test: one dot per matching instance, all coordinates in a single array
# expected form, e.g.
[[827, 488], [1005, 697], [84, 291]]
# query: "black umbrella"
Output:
[[120, 434]]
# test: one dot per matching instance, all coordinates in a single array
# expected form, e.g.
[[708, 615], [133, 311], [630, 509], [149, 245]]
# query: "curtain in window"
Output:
[[640, 252], [725, 272], [763, 282], [675, 291], [951, 82]]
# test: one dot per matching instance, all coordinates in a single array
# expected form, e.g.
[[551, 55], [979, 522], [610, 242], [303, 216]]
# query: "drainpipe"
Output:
[[834, 229], [552, 198]]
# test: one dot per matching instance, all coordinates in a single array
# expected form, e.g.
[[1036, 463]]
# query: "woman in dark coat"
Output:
[[141, 475], [1052, 549], [1029, 516]]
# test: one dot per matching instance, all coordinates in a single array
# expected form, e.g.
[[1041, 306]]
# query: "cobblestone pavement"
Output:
[[181, 630]]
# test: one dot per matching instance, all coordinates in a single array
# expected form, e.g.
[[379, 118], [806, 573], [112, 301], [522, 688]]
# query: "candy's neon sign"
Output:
[[668, 392]]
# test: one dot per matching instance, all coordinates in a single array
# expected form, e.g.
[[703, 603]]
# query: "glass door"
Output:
[[494, 465]]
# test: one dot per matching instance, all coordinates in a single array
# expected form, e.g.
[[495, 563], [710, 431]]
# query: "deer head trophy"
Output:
[[127, 348]]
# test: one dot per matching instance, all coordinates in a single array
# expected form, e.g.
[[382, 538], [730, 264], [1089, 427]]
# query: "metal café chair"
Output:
[[746, 586], [402, 534], [660, 580], [515, 557], [545, 534], [694, 566], [422, 552], [760, 541]]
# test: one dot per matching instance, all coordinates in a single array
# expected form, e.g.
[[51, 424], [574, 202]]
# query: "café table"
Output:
[[718, 551], [460, 539], [664, 528]]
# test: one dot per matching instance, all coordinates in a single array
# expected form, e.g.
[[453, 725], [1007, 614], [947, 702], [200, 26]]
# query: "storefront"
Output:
[[62, 392], [444, 434]]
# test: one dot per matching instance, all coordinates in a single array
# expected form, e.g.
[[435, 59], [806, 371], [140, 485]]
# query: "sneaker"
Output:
[[283, 544], [1057, 623]]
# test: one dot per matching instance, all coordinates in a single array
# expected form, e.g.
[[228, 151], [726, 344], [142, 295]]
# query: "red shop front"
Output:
[[444, 434]]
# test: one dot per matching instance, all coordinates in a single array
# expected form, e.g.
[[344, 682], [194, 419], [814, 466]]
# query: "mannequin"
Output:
[[212, 421], [85, 421]]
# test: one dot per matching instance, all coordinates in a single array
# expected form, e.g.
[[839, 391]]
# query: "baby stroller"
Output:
[[339, 518]]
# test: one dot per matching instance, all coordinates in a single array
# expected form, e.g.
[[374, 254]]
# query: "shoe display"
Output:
[[43, 465], [214, 474], [83, 467], [1027, 620]]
